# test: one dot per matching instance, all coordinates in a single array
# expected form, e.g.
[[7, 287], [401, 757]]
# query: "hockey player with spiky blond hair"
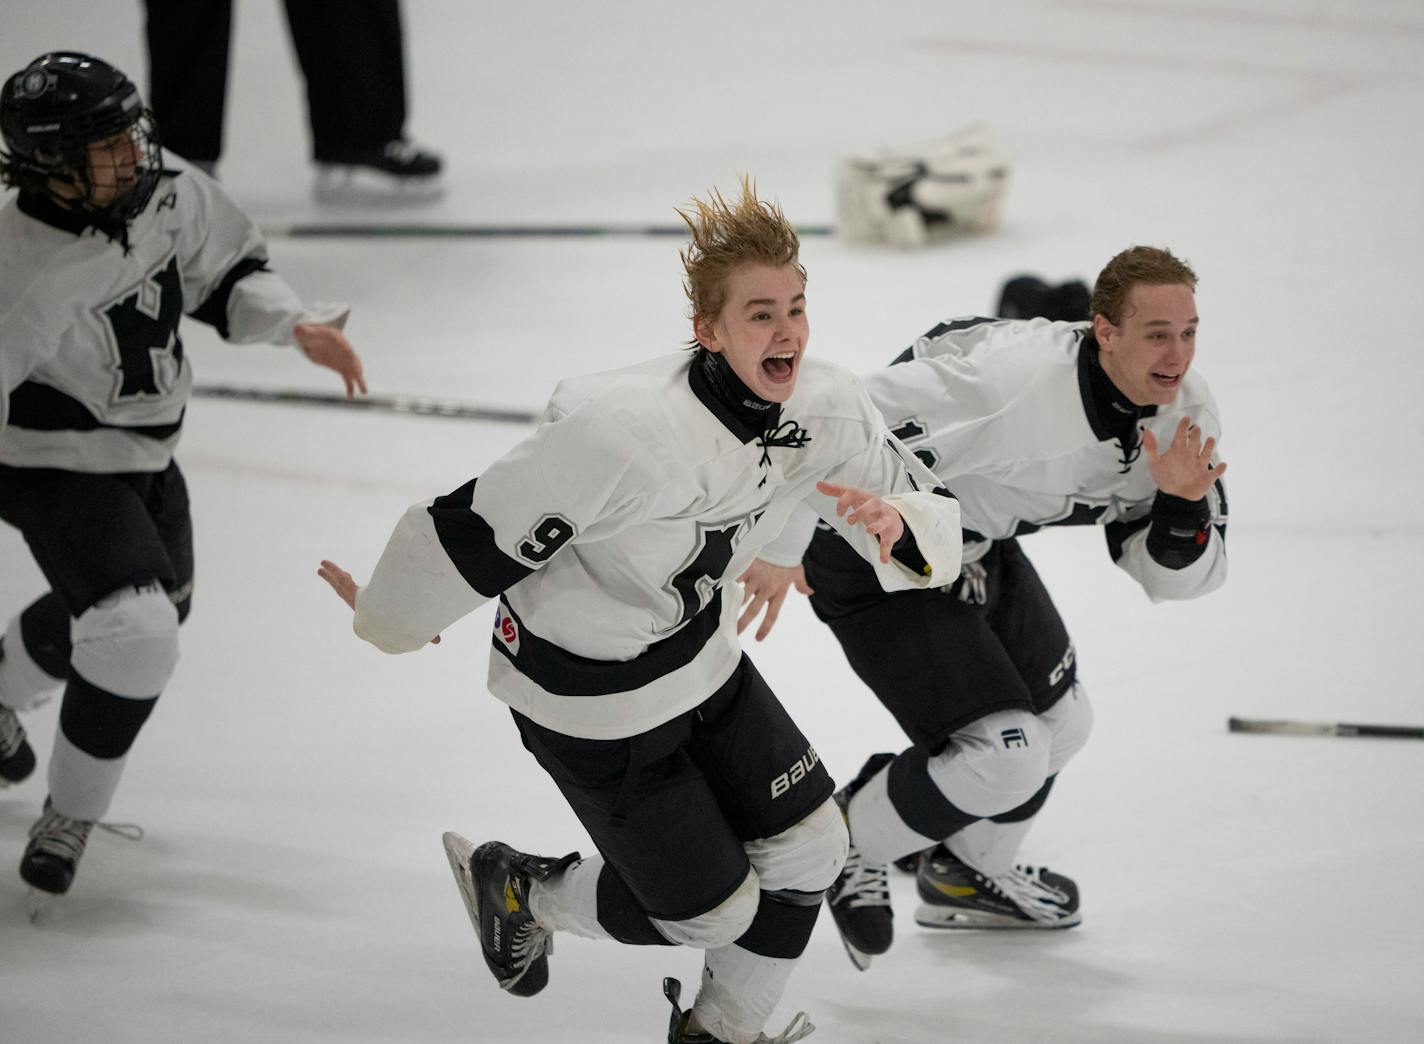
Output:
[[609, 537]]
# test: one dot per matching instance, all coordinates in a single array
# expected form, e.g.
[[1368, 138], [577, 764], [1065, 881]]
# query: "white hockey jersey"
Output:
[[609, 533], [1005, 414], [92, 373]]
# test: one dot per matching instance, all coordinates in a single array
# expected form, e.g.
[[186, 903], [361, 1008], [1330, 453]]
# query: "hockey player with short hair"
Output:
[[609, 536], [106, 245], [1030, 423]]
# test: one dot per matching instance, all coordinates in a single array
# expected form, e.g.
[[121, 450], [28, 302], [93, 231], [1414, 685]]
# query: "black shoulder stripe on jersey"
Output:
[[967, 323], [469, 541], [213, 311], [556, 670], [39, 407], [939, 330]]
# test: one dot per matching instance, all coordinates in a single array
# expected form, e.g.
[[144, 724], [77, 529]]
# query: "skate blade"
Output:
[[366, 188], [38, 903], [943, 917], [458, 851], [859, 958]]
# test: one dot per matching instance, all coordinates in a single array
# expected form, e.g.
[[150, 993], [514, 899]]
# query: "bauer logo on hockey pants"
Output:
[[795, 774], [506, 630]]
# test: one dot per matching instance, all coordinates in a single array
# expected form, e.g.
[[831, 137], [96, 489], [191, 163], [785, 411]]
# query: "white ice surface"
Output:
[[293, 782]]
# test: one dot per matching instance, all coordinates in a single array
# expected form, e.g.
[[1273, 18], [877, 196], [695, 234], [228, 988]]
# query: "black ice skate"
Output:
[[860, 898], [799, 1028], [17, 757], [955, 895], [397, 172], [494, 884], [56, 845]]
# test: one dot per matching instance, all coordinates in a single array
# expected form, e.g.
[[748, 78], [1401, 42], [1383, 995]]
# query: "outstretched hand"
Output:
[[345, 586], [868, 510], [341, 582], [1185, 469], [327, 346], [764, 586]]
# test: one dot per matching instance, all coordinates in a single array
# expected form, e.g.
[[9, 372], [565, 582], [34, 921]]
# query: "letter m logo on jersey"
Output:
[[144, 328]]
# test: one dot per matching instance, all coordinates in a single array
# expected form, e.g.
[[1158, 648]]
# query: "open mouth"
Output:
[[1167, 380], [778, 368]]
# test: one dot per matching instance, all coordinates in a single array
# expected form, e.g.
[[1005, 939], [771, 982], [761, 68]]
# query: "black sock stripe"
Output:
[[621, 915], [920, 803], [98, 722], [780, 929]]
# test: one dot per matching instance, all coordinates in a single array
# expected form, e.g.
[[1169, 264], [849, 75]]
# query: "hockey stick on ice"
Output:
[[1323, 728], [415, 404], [452, 231]]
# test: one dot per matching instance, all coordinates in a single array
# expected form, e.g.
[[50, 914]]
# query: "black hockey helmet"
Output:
[[54, 109]]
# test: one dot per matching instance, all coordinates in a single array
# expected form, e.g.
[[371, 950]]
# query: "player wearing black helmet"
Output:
[[93, 386], [77, 130]]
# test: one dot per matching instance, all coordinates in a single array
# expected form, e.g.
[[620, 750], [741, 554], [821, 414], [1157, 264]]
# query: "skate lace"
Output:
[[798, 1028], [861, 883], [65, 837], [61, 836], [974, 584], [529, 944], [1025, 888], [12, 733]]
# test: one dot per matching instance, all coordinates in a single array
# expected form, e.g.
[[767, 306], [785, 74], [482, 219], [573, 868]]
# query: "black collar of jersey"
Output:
[[47, 210], [741, 411], [1111, 414]]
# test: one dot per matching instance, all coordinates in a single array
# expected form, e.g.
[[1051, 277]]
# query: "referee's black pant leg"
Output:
[[353, 61], [188, 44]]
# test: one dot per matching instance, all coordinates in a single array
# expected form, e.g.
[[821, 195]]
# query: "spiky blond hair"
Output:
[[726, 236]]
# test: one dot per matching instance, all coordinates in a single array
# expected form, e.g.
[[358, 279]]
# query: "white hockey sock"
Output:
[[81, 785], [989, 847], [876, 829], [568, 902], [739, 991]]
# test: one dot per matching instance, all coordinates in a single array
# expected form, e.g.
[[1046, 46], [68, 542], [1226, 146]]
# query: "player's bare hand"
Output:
[[327, 346], [764, 587], [868, 510], [345, 586], [341, 582], [1185, 468]]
